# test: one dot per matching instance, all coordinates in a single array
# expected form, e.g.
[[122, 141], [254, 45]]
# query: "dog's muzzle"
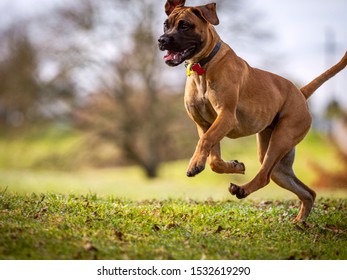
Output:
[[174, 56]]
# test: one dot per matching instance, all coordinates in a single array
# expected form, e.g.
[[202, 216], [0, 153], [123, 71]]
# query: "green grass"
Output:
[[52, 226], [55, 206], [43, 148]]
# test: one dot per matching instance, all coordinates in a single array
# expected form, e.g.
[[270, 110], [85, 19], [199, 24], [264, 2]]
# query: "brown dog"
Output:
[[224, 96]]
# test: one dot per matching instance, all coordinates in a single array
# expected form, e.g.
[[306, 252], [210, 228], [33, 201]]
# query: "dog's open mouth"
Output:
[[173, 58]]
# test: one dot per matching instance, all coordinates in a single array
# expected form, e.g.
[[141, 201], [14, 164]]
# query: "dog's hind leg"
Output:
[[279, 145], [282, 137], [283, 175]]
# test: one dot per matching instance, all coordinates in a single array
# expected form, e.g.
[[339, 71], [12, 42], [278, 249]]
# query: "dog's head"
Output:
[[185, 30]]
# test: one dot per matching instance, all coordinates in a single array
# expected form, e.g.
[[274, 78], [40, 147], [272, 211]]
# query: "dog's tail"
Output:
[[309, 89]]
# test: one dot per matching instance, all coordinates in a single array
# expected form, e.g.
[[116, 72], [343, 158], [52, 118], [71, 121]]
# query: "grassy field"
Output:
[[53, 207], [51, 226], [57, 161]]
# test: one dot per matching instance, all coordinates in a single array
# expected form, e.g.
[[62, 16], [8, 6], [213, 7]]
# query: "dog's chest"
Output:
[[199, 102]]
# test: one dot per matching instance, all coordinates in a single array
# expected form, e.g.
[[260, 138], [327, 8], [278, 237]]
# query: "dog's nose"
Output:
[[163, 41]]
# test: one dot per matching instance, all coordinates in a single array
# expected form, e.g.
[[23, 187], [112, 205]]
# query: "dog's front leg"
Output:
[[220, 166], [223, 124]]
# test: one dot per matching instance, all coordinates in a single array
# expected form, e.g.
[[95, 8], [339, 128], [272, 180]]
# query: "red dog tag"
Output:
[[198, 69]]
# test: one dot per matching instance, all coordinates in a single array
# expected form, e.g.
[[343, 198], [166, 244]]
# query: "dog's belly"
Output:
[[249, 123]]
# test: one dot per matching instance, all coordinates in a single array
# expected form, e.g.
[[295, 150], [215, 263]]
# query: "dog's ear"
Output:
[[208, 12], [170, 5]]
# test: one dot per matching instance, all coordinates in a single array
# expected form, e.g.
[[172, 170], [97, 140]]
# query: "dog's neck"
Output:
[[198, 67], [207, 59], [201, 59]]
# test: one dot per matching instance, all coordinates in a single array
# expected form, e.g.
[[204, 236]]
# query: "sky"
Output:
[[300, 28]]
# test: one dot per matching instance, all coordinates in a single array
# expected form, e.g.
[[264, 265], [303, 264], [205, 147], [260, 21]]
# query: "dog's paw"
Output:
[[238, 191], [238, 167], [195, 171]]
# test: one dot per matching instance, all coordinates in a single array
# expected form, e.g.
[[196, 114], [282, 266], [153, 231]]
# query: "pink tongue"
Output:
[[170, 56]]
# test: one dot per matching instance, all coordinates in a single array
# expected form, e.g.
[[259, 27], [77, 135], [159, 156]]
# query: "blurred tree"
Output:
[[337, 178], [130, 109], [334, 110], [19, 86], [25, 96]]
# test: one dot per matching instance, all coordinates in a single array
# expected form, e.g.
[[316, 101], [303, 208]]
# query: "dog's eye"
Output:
[[184, 25], [166, 25]]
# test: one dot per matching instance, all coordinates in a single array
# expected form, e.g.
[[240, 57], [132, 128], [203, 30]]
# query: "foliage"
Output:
[[18, 75], [26, 97], [337, 177], [53, 226], [128, 111]]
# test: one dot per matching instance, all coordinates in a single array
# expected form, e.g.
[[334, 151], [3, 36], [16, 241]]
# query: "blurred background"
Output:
[[88, 105]]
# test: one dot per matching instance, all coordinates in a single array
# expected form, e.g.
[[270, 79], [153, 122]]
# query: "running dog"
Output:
[[226, 97]]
